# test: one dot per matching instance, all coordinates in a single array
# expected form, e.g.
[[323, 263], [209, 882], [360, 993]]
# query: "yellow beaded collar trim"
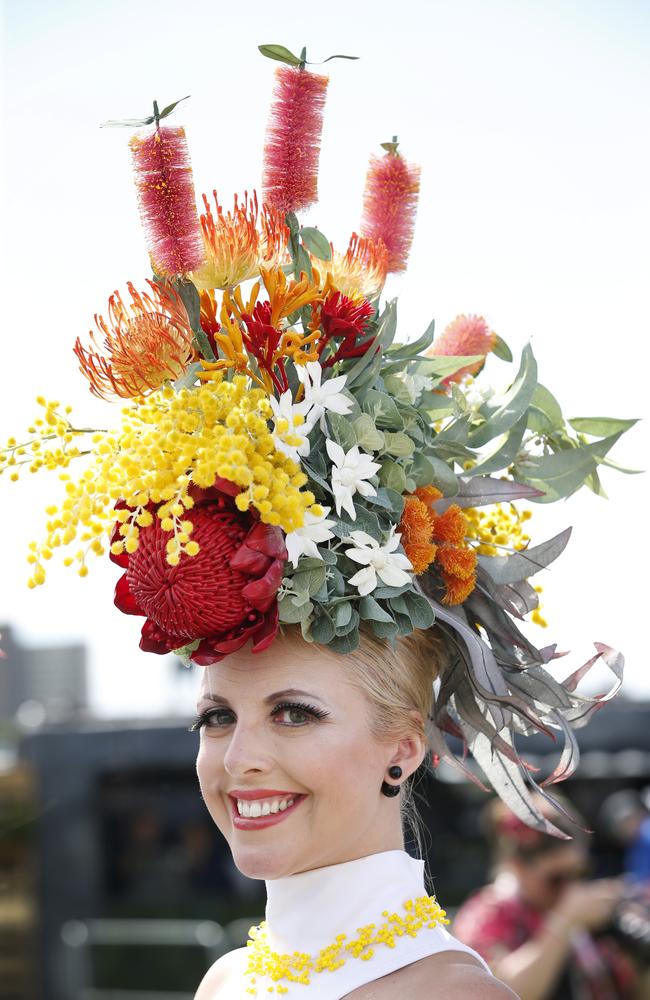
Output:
[[298, 967]]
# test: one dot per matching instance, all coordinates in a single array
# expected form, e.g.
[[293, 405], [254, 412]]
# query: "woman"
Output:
[[309, 738], [284, 459], [534, 923]]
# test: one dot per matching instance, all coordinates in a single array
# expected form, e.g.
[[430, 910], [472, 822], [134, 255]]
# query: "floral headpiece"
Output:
[[281, 457]]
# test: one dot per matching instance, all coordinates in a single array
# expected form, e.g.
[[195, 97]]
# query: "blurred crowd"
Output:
[[547, 926]]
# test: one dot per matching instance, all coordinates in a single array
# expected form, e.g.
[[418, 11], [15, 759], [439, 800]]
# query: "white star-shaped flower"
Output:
[[303, 541], [415, 384], [350, 470], [378, 561], [289, 428], [327, 396]]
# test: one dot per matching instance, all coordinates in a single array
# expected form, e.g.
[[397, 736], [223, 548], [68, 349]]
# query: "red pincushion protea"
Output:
[[390, 203], [223, 596], [290, 180]]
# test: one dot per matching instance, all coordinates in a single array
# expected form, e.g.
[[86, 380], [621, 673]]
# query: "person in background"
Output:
[[535, 922], [626, 820]]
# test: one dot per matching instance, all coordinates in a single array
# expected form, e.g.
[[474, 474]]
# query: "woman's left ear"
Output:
[[409, 754]]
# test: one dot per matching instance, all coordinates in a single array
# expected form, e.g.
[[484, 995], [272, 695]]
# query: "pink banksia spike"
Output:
[[163, 177], [292, 149], [390, 204]]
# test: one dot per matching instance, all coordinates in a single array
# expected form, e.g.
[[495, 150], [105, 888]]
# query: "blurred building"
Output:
[[38, 687], [42, 684]]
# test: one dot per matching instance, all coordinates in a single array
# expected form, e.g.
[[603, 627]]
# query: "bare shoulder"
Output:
[[219, 974], [445, 976]]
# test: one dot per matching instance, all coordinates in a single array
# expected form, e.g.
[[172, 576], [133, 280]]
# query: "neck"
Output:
[[310, 907]]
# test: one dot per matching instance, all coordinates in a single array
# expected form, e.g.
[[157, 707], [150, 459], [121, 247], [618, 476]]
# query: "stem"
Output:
[[156, 114]]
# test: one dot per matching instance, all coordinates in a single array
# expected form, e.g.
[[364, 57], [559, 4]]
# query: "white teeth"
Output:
[[262, 807]]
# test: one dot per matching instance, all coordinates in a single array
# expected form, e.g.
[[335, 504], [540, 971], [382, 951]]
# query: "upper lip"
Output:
[[250, 794]]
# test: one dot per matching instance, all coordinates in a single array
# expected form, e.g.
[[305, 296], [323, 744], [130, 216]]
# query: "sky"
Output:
[[529, 121]]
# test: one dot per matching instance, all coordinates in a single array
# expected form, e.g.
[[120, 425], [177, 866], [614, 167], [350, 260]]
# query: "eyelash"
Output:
[[318, 714]]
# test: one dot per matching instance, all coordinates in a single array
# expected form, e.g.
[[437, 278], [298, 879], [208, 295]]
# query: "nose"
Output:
[[247, 752]]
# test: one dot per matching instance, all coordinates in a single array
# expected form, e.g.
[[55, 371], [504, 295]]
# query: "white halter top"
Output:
[[307, 912]]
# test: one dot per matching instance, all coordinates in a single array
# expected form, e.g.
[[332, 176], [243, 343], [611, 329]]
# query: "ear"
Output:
[[409, 752]]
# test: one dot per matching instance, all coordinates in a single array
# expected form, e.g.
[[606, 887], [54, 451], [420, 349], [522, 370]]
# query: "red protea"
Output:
[[290, 178], [465, 335], [390, 204], [163, 177], [223, 596]]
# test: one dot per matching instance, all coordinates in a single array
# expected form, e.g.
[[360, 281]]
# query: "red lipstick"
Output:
[[261, 822]]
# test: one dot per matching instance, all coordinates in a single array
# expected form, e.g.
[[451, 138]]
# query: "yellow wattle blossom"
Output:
[[168, 443], [498, 529], [419, 914], [49, 445]]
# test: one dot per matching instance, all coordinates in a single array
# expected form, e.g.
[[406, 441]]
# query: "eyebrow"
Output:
[[269, 700]]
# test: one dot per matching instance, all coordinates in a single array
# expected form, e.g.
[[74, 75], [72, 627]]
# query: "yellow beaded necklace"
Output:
[[298, 967]]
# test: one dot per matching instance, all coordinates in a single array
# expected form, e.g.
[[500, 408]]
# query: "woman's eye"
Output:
[[291, 716], [297, 715], [215, 719]]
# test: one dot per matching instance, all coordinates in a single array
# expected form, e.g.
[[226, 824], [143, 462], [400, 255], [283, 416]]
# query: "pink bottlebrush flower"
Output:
[[464, 335], [390, 204], [163, 177], [290, 178]]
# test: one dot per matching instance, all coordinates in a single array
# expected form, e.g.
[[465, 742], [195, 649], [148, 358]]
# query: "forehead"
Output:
[[288, 663]]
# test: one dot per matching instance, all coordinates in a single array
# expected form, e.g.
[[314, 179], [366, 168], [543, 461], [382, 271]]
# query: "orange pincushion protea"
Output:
[[145, 344], [238, 243], [429, 537], [359, 272]]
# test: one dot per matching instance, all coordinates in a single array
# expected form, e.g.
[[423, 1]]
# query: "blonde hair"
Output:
[[397, 680]]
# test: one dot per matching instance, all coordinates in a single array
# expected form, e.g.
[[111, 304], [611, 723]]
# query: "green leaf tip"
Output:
[[149, 120], [391, 147], [280, 54]]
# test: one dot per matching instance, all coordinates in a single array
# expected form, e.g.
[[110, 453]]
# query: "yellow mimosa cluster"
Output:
[[169, 442], [49, 445], [420, 913], [498, 529]]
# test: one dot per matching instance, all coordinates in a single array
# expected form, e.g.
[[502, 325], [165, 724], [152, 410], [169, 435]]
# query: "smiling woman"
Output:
[[325, 520], [300, 749]]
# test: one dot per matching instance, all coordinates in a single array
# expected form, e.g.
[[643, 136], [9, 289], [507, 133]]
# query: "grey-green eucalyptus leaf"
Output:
[[317, 244]]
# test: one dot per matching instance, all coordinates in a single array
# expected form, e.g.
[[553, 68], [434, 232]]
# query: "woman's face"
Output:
[[287, 764]]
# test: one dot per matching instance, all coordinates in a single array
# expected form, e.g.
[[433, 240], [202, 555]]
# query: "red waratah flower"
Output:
[[390, 204], [290, 180], [346, 318], [464, 336], [224, 595]]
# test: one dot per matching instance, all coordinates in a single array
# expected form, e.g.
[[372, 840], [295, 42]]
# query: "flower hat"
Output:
[[281, 457]]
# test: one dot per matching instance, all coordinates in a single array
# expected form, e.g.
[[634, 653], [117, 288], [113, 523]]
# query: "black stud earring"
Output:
[[391, 790]]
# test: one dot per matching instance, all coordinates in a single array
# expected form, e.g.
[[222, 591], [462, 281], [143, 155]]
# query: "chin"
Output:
[[263, 862]]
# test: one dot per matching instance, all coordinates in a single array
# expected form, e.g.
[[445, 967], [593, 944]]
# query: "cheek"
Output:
[[209, 769], [346, 770]]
